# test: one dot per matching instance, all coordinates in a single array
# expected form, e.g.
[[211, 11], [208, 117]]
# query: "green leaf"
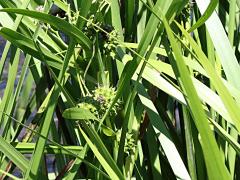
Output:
[[107, 131], [77, 113], [222, 45], [15, 156], [163, 135], [222, 132], [106, 165], [212, 5], [225, 95], [210, 148], [27, 45], [62, 25]]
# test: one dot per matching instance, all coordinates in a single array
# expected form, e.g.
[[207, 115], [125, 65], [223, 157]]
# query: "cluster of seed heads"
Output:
[[72, 17], [130, 145], [111, 42], [107, 35], [99, 102]]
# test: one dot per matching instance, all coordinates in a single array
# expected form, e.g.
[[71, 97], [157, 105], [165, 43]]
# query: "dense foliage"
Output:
[[108, 89]]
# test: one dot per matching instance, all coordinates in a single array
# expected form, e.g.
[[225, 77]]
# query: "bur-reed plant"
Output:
[[129, 89]]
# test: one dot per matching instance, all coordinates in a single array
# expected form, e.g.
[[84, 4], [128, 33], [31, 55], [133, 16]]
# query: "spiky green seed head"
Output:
[[100, 101], [105, 96], [130, 144]]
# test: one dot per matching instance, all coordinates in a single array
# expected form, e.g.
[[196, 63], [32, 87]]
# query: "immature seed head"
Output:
[[104, 96]]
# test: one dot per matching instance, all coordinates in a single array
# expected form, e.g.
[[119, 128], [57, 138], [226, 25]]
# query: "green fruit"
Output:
[[105, 96]]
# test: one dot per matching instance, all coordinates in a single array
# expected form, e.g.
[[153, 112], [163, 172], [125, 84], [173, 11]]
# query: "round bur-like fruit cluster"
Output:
[[100, 101], [105, 96]]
